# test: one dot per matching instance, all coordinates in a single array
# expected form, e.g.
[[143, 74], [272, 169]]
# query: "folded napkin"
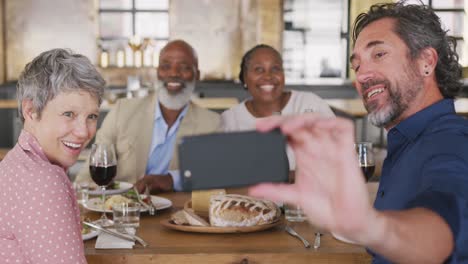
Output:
[[107, 241]]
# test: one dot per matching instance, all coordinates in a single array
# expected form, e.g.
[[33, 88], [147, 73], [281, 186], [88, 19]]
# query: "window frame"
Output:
[[344, 36], [133, 11]]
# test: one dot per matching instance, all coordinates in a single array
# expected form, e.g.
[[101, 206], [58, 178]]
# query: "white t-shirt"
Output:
[[238, 118]]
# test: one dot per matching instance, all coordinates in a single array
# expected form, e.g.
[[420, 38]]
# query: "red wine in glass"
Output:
[[366, 160], [368, 171], [103, 168], [102, 175]]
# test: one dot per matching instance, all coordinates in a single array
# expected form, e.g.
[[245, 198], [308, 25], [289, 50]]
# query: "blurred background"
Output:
[[123, 38]]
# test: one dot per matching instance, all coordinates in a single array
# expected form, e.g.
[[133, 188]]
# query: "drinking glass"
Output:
[[126, 214], [103, 167], [366, 158], [81, 191], [292, 212]]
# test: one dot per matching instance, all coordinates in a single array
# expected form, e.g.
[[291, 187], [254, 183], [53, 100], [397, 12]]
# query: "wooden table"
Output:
[[270, 246]]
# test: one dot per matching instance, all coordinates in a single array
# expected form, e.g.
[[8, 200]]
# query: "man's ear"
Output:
[[428, 58], [28, 111]]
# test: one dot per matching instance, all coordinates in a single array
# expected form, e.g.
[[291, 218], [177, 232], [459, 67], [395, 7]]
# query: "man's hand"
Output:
[[329, 184], [156, 183]]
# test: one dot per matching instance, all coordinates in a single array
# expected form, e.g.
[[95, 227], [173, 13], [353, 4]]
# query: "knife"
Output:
[[110, 232], [317, 240]]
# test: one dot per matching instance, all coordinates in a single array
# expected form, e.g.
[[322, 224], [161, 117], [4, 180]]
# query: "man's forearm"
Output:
[[412, 236]]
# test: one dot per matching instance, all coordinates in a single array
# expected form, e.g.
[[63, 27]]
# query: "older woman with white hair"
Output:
[[59, 94]]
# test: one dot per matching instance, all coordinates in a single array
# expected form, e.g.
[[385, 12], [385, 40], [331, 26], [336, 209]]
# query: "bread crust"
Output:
[[240, 211]]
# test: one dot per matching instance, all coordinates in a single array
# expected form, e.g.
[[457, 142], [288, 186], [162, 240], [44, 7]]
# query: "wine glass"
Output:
[[103, 167], [366, 158]]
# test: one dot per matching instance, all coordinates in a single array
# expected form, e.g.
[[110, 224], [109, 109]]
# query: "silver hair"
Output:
[[56, 71]]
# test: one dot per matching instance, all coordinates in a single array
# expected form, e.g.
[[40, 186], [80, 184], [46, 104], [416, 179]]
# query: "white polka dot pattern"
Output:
[[40, 219]]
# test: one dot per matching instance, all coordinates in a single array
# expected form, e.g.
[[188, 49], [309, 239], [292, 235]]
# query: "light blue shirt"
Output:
[[162, 146]]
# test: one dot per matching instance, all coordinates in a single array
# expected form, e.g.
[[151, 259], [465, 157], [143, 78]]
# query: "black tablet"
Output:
[[233, 159]]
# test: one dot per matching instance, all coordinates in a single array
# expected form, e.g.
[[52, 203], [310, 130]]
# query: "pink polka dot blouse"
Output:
[[39, 215]]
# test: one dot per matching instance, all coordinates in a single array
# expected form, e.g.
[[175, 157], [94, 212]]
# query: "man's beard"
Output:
[[399, 98], [389, 112], [175, 101]]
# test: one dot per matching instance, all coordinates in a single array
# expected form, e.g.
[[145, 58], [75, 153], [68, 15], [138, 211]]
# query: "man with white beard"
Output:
[[145, 131]]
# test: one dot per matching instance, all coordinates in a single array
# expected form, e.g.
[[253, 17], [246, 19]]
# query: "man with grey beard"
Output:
[[145, 131]]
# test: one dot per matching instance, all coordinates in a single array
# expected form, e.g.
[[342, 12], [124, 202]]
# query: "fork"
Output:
[[151, 205], [148, 207], [122, 230], [293, 233]]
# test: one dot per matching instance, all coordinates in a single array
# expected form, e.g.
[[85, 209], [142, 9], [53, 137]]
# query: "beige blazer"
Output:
[[129, 125]]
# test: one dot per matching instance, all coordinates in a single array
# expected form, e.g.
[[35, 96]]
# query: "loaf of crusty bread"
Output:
[[240, 211]]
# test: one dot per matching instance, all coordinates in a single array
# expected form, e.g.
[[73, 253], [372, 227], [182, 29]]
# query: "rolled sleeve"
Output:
[[177, 181]]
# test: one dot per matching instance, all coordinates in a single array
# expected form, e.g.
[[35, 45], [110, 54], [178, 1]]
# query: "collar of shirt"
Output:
[[416, 124], [30, 144], [160, 129]]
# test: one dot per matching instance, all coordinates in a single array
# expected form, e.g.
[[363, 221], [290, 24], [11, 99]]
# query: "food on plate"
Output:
[[84, 228], [188, 217], [201, 200], [241, 211], [115, 199], [230, 210], [133, 195]]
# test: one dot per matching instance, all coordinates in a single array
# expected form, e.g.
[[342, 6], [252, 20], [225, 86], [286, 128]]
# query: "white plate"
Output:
[[90, 235], [123, 187], [95, 204], [342, 239]]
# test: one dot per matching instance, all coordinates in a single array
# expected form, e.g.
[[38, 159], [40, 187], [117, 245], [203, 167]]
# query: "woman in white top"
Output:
[[263, 76]]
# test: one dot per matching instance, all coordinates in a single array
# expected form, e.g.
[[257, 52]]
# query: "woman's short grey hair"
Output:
[[54, 72]]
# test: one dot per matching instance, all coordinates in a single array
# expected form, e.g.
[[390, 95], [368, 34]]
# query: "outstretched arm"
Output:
[[331, 189]]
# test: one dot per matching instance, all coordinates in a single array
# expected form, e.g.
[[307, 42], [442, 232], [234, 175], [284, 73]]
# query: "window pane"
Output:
[[447, 3], [312, 43], [152, 4], [152, 25], [113, 25], [453, 22], [115, 4], [293, 56]]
